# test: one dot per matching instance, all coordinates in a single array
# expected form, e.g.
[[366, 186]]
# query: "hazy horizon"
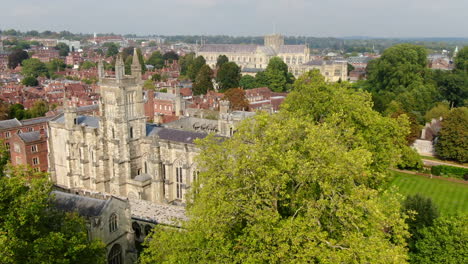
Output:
[[336, 18]]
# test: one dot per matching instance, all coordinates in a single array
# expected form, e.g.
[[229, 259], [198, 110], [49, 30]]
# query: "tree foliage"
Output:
[[452, 143], [34, 68], [16, 58], [63, 49], [293, 188], [228, 76], [443, 242], [203, 81], [32, 231], [402, 75], [248, 82], [156, 59], [221, 60], [195, 66], [237, 99], [276, 76]]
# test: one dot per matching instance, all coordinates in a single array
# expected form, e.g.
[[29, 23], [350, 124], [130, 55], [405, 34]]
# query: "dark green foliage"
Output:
[[452, 86], [410, 160], [425, 214], [203, 81], [450, 171], [170, 56], [112, 49], [185, 62], [461, 60], [248, 82], [16, 58], [86, 65], [221, 60], [34, 68], [402, 75], [63, 49], [452, 140], [228, 76], [443, 242], [32, 231], [195, 66], [30, 81], [156, 59]]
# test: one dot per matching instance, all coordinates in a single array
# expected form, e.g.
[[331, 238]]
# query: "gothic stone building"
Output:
[[254, 58], [118, 152]]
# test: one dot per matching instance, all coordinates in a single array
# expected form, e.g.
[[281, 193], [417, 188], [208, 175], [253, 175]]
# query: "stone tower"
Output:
[[275, 41], [123, 125]]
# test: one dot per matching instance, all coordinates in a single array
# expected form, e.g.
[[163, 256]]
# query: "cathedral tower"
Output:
[[123, 124]]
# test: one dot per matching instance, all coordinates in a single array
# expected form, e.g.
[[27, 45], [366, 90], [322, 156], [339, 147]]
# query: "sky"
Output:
[[319, 18]]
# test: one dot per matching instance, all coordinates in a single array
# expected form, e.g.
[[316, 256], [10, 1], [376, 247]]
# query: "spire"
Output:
[[136, 66], [119, 67]]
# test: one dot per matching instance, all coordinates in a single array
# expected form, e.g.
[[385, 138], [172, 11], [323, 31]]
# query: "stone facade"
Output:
[[254, 58], [118, 152]]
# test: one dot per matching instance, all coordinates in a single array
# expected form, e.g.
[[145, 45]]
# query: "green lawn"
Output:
[[450, 197]]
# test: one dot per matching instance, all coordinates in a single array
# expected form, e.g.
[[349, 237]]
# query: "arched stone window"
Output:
[[113, 225], [115, 255], [137, 229]]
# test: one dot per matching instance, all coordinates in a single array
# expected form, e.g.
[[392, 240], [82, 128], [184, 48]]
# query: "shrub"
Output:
[[450, 171]]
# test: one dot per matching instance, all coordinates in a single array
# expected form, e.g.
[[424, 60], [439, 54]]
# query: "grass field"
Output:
[[450, 197]]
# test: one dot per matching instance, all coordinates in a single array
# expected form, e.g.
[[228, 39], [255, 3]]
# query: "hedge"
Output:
[[450, 171]]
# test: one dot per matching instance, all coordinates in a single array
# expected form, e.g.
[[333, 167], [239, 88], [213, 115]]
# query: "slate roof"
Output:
[[85, 206], [227, 48], [292, 49], [90, 121], [10, 123], [30, 136], [175, 135], [33, 121]]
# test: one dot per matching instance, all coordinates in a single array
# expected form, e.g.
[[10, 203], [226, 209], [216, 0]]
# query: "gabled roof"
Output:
[[84, 206], [30, 136], [10, 123]]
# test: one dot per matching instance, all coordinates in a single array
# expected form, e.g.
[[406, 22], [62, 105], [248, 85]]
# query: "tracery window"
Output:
[[179, 182], [113, 223], [115, 255]]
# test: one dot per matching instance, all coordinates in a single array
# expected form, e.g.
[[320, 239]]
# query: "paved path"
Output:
[[435, 163]]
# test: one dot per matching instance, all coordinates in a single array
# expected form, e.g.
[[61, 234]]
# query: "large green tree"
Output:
[[16, 57], [402, 75], [195, 66], [34, 68], [156, 59], [351, 112], [63, 49], [203, 81], [248, 82], [295, 187], [228, 76], [32, 231], [452, 140], [443, 242]]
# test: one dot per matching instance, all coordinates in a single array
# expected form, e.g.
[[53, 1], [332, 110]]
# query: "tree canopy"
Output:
[[34, 68], [237, 99], [16, 57], [32, 231], [452, 142], [228, 76], [203, 81], [401, 74], [294, 187]]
